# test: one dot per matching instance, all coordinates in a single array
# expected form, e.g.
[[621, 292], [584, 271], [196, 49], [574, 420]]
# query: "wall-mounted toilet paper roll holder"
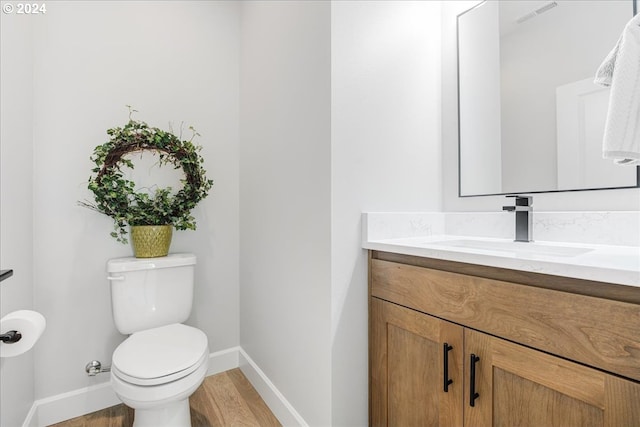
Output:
[[11, 337]]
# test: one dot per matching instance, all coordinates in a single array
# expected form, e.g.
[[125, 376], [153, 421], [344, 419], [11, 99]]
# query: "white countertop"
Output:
[[604, 263], [599, 246]]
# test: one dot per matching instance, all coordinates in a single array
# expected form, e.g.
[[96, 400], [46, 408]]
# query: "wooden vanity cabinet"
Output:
[[518, 381]]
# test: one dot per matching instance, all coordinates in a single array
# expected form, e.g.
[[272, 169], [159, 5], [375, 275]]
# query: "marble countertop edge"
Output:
[[603, 263]]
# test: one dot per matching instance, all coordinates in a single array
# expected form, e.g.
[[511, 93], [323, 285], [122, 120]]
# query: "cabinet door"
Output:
[[407, 365], [518, 386]]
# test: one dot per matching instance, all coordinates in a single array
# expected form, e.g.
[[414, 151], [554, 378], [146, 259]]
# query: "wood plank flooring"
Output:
[[225, 399]]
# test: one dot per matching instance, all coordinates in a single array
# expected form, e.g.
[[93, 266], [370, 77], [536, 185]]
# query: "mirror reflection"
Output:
[[531, 119]]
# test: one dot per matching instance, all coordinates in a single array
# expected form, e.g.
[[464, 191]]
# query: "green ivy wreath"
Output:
[[116, 196]]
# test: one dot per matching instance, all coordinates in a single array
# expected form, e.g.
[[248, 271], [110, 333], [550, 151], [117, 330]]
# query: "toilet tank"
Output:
[[151, 292]]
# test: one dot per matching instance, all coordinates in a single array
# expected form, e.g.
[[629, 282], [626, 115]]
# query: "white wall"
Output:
[[385, 156], [614, 200], [480, 100], [16, 190], [174, 62], [285, 199]]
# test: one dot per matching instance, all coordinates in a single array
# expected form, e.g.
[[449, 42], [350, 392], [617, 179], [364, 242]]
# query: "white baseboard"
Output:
[[279, 405], [65, 406], [223, 360]]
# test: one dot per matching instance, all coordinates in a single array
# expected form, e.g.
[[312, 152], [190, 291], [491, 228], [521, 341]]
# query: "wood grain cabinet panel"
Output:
[[512, 332], [594, 331], [519, 386], [407, 368]]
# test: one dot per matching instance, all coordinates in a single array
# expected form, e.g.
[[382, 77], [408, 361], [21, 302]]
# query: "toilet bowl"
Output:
[[155, 371]]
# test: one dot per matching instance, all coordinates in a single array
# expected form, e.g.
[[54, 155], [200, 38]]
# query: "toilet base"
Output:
[[170, 415], [163, 405]]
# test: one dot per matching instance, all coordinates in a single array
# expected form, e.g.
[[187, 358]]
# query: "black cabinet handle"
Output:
[[472, 381], [447, 381]]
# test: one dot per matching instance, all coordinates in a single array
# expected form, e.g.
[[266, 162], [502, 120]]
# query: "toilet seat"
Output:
[[160, 355]]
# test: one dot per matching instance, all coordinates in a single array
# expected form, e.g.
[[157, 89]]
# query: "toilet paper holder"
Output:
[[11, 337], [19, 331]]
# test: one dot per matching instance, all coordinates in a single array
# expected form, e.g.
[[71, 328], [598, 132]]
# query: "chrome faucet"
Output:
[[523, 209]]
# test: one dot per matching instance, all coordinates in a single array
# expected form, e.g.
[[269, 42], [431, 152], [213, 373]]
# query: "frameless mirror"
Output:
[[530, 117]]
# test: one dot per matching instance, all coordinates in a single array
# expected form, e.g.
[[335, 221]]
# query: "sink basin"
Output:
[[523, 248]]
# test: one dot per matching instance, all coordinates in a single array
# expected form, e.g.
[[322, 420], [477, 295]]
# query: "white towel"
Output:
[[621, 71]]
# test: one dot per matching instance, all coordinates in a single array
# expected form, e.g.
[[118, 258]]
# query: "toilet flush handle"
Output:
[[115, 278]]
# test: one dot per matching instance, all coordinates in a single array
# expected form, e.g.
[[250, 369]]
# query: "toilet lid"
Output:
[[160, 353]]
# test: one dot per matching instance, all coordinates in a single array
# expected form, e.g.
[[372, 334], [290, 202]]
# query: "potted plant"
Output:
[[151, 217]]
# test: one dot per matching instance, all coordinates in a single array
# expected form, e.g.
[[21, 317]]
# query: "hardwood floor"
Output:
[[225, 399]]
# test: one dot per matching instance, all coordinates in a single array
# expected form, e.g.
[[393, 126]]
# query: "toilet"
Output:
[[162, 362]]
